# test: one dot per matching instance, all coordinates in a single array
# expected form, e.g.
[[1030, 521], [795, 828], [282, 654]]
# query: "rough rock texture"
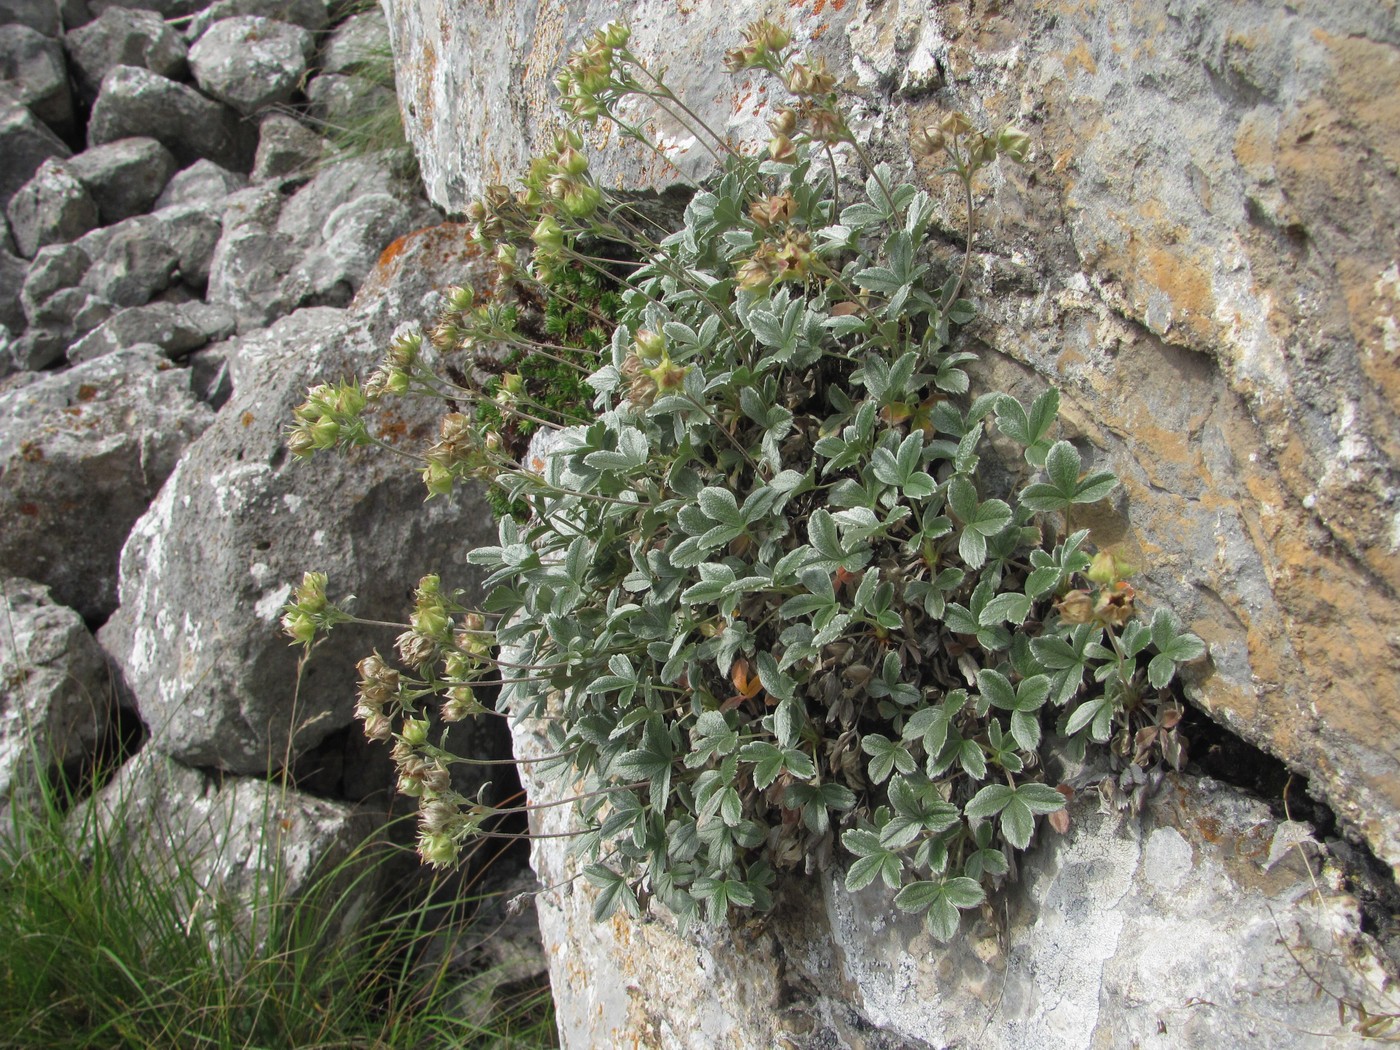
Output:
[[33, 64], [134, 101], [309, 14], [286, 147], [131, 261], [360, 39], [251, 63], [177, 328], [119, 37], [124, 177], [25, 143], [1175, 930], [1202, 255], [206, 572], [202, 182], [54, 207], [82, 454], [229, 839], [54, 689], [40, 15], [12, 271]]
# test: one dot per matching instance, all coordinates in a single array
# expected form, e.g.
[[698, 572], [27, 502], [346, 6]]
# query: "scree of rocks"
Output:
[[186, 244]]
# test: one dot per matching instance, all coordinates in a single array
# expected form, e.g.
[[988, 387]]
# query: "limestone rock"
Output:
[[54, 690], [39, 15], [136, 102], [338, 101], [1118, 933], [33, 64], [12, 271], [1216, 298], [361, 39], [192, 231], [206, 572], [309, 14], [53, 207], [176, 328], [286, 147], [230, 839], [250, 62], [83, 453], [122, 37], [353, 235], [131, 261], [125, 177], [203, 182], [25, 143]]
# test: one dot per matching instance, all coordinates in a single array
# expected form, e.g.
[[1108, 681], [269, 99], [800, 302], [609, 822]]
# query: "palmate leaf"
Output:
[[1063, 486]]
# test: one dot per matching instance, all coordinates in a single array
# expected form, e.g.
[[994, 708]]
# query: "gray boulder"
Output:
[[40, 15], [250, 62], [33, 64], [192, 231], [82, 454], [309, 14], [246, 271], [203, 182], [353, 236], [176, 328], [121, 37], [169, 9], [359, 41], [207, 571], [54, 207], [304, 215], [25, 143], [125, 177], [136, 102], [55, 693], [12, 271], [339, 101], [228, 842], [1186, 925], [131, 261], [286, 147]]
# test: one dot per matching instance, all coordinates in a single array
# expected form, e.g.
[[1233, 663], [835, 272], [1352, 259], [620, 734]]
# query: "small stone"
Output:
[[51, 208], [122, 37], [246, 274], [176, 329], [338, 101], [125, 177], [54, 268], [251, 63], [354, 236], [136, 102], [33, 64], [286, 147], [12, 271], [201, 183]]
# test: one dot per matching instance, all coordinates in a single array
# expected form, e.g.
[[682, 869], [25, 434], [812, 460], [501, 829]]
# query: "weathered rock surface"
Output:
[[136, 102], [40, 15], [54, 207], [228, 839], [82, 454], [1214, 291], [203, 182], [130, 261], [122, 37], [250, 62], [1121, 933], [12, 271], [25, 143], [32, 63], [336, 100], [54, 689], [286, 147], [177, 328], [125, 177], [360, 39], [206, 572], [309, 14]]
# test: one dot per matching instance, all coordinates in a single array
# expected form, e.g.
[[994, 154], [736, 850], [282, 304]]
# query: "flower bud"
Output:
[[650, 345], [1076, 607], [927, 141], [415, 731], [955, 124], [1014, 143], [438, 849], [615, 34], [548, 234], [784, 122]]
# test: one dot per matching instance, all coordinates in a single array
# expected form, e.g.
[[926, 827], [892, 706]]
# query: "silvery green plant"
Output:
[[769, 601]]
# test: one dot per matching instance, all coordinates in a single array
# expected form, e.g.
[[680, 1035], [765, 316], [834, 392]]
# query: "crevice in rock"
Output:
[[1223, 756]]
